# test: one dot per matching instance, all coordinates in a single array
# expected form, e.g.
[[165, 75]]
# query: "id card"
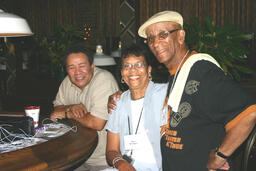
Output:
[[132, 142]]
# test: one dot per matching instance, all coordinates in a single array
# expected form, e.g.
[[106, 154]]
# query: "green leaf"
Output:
[[225, 43], [243, 36], [243, 69]]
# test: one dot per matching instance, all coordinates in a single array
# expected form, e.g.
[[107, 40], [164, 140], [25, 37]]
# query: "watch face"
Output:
[[128, 159]]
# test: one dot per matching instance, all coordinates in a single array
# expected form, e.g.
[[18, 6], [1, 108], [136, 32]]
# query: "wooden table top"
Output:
[[60, 153]]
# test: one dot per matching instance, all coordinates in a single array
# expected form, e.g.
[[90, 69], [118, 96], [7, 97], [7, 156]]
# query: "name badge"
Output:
[[132, 142]]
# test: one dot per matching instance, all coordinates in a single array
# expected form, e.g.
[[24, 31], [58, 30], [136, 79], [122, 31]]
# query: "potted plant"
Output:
[[8, 59], [52, 48], [224, 43]]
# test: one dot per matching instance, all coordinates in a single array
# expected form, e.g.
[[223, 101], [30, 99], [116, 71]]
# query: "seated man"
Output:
[[83, 96]]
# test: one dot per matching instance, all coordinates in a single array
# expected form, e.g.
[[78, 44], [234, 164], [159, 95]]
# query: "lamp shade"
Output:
[[116, 53], [13, 26], [100, 59]]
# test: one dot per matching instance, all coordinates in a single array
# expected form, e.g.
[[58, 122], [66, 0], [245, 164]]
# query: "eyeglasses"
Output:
[[138, 65], [161, 36]]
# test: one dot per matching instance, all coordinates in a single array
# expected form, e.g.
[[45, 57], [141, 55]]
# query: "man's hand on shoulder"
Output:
[[112, 102]]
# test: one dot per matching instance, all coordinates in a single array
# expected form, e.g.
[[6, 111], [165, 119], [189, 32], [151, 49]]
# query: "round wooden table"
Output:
[[61, 153]]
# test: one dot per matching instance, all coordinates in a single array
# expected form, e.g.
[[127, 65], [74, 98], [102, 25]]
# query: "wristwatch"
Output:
[[66, 112], [220, 154]]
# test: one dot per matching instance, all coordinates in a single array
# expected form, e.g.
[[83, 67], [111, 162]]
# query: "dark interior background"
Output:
[[110, 21]]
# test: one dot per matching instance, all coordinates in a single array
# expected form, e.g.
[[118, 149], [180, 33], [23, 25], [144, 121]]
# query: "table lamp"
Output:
[[13, 26], [100, 59]]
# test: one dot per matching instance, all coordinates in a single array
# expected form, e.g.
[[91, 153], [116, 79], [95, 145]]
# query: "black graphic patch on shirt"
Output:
[[183, 112], [191, 87]]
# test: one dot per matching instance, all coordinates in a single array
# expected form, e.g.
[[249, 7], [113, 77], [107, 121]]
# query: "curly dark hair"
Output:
[[136, 50]]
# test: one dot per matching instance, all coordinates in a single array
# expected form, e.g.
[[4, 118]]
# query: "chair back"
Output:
[[248, 150]]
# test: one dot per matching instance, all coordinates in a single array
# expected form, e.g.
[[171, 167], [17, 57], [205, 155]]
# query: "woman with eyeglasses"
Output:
[[134, 127]]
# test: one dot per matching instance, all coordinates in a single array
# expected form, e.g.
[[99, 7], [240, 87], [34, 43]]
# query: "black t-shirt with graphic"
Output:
[[210, 100]]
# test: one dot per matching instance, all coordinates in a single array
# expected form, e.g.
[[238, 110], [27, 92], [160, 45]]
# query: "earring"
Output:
[[122, 80], [150, 77]]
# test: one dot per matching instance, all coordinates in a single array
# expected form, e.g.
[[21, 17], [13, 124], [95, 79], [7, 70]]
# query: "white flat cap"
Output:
[[172, 16]]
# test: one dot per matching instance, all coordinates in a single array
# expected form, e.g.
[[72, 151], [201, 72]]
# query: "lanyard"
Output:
[[137, 123], [136, 127]]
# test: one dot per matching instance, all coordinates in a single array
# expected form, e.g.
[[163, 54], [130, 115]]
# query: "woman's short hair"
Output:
[[80, 49], [136, 50]]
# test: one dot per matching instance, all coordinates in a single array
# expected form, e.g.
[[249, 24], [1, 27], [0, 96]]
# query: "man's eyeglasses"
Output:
[[138, 65], [161, 36]]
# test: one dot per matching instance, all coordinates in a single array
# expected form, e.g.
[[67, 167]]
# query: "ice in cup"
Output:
[[33, 112]]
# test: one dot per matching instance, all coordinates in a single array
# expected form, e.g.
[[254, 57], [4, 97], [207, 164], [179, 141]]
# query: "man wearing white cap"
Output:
[[209, 116]]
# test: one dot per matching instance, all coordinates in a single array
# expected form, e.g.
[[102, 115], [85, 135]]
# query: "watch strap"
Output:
[[220, 154]]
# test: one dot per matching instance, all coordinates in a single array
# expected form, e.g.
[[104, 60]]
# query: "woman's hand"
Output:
[[123, 165], [112, 102]]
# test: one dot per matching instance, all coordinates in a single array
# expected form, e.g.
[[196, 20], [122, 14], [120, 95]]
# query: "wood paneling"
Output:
[[239, 12], [43, 15], [104, 15]]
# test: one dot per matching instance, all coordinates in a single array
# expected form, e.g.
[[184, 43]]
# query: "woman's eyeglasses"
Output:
[[138, 65]]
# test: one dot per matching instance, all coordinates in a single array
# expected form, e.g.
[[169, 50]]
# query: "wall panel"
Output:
[[104, 15], [239, 12]]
